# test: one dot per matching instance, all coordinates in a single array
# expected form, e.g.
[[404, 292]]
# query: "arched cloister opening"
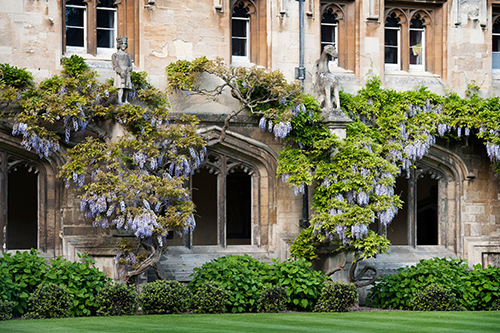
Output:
[[431, 211]]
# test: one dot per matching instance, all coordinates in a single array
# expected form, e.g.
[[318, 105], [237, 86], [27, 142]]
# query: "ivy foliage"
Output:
[[127, 162]]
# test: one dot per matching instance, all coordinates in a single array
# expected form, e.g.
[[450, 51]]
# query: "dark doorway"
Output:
[[205, 197], [22, 208], [397, 231], [427, 216], [238, 208]]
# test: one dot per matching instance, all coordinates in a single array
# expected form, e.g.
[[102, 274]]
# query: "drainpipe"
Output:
[[300, 74]]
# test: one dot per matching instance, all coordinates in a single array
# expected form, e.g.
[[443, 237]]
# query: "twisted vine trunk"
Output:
[[353, 277], [153, 261]]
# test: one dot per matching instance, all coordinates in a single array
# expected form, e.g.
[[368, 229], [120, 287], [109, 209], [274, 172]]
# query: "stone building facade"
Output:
[[452, 199]]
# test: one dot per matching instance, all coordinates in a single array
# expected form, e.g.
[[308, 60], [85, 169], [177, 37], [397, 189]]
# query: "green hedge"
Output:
[[246, 278], [21, 273], [475, 289]]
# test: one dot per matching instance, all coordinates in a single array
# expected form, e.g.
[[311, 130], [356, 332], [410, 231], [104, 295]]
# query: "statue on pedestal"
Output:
[[122, 65], [325, 85]]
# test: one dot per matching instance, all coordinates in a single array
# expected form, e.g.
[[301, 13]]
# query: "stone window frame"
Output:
[[334, 10], [247, 38], [346, 31], [495, 17], [421, 66], [257, 41], [405, 15], [126, 21]]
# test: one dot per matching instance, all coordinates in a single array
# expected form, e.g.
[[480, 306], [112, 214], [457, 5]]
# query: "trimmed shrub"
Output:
[[22, 272], [245, 277], [337, 296], [20, 275], [6, 308], [435, 297], [49, 301], [116, 300], [210, 298], [273, 299], [475, 289], [165, 297], [302, 283], [83, 281]]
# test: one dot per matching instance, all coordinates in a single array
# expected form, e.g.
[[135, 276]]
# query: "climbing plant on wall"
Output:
[[134, 180], [353, 178]]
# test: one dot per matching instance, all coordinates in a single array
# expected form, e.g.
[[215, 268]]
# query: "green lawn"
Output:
[[394, 321]]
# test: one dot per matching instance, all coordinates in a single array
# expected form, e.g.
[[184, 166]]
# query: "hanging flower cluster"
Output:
[[31, 140]]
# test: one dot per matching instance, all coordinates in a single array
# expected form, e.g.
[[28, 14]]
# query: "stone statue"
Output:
[[327, 83], [122, 65]]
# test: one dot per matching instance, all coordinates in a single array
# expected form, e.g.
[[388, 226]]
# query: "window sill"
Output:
[[87, 56], [495, 76], [340, 70], [415, 74]]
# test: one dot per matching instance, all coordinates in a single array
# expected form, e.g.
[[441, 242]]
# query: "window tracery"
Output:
[[409, 40]]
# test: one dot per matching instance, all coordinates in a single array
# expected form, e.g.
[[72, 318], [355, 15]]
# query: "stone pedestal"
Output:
[[336, 121]]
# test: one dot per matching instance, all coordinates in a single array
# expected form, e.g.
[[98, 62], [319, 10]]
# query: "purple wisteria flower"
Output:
[[359, 231]]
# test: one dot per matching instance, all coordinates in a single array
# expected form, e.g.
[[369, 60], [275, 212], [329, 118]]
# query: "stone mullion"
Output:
[[221, 223], [412, 209], [91, 27], [3, 199]]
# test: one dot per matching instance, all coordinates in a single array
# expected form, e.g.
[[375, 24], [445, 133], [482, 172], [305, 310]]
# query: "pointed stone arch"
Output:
[[43, 211], [442, 173], [247, 161]]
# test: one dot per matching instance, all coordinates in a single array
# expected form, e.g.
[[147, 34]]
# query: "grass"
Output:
[[391, 321]]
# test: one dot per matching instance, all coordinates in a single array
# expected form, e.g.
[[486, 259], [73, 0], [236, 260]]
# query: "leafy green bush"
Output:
[[20, 274], [482, 288], [245, 277], [209, 297], [474, 289], [74, 66], [165, 297], [495, 306], [6, 308], [49, 301], [116, 300], [337, 296], [273, 299], [15, 77], [302, 283], [435, 297], [83, 281]]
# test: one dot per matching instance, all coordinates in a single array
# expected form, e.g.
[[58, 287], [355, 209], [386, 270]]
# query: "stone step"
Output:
[[180, 262]]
